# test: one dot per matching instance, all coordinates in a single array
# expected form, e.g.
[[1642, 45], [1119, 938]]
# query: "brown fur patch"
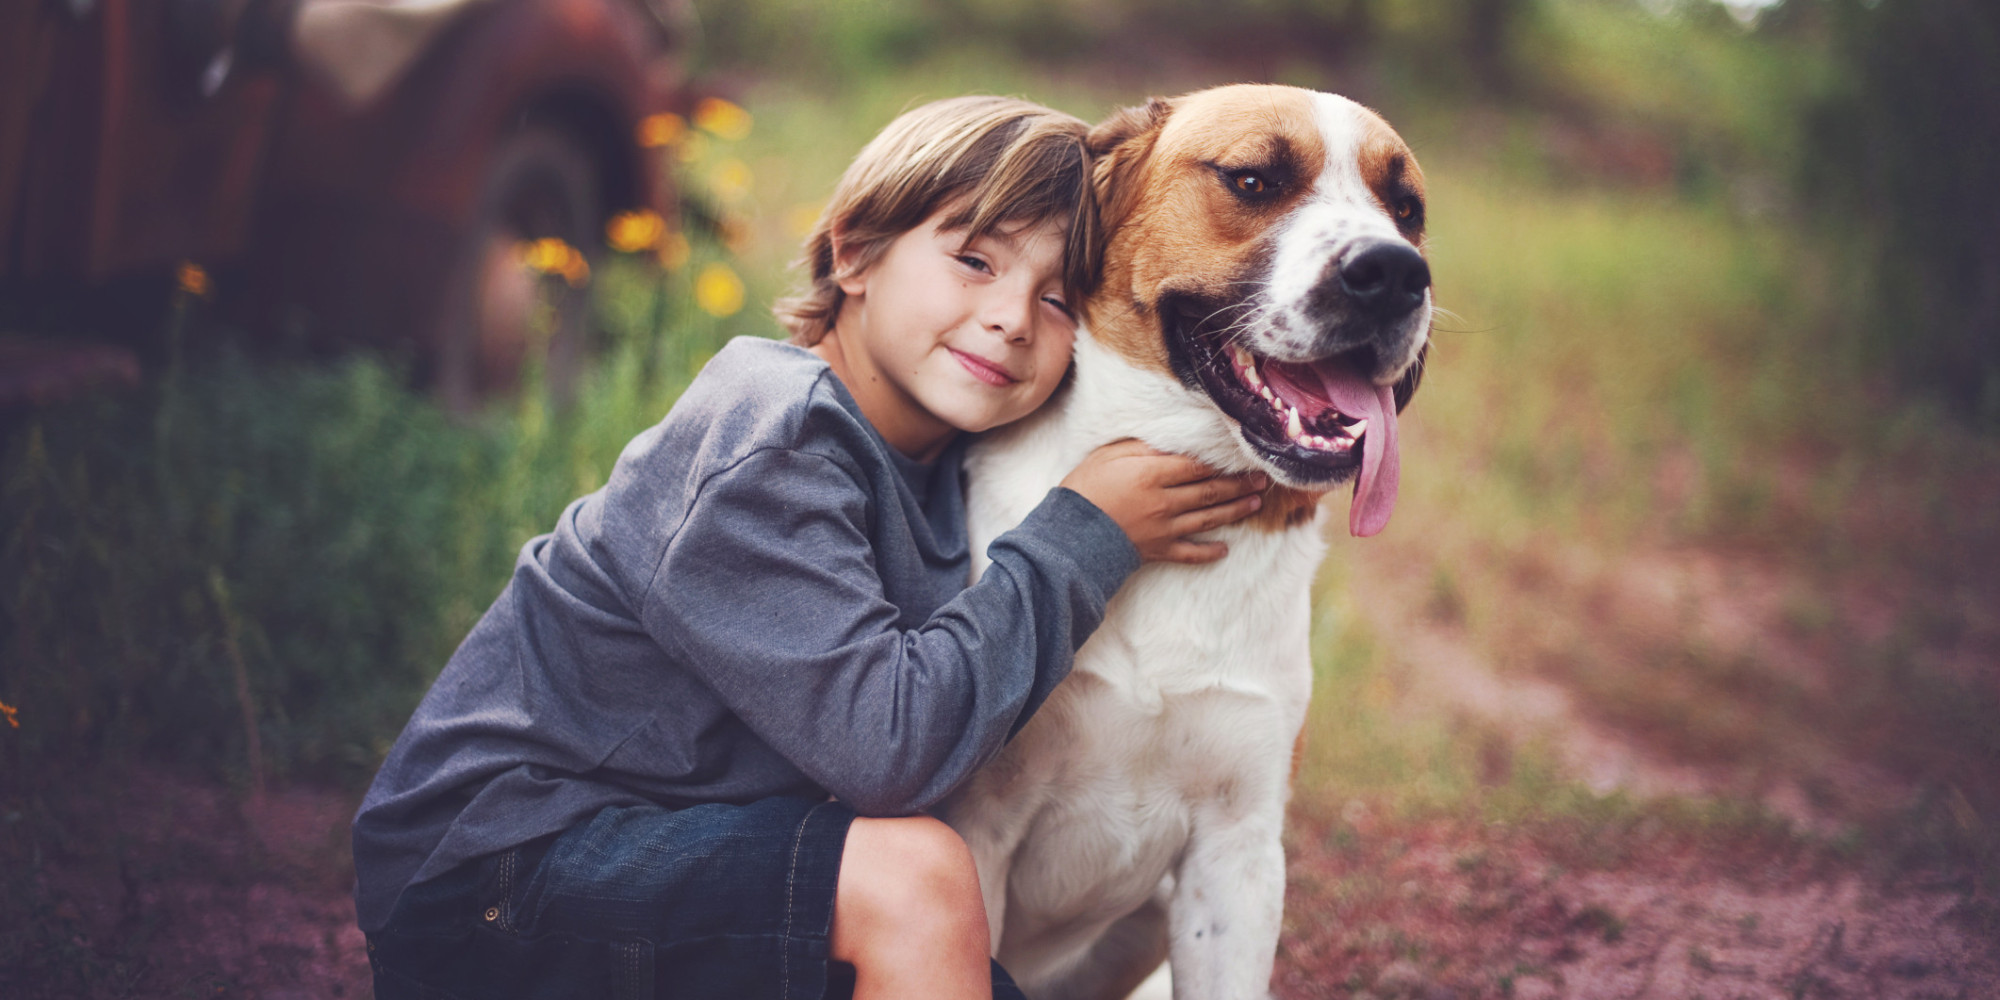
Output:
[[1284, 508], [1391, 173], [1298, 755], [1172, 223]]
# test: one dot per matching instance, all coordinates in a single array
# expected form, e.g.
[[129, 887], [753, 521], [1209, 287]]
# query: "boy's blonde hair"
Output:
[[998, 160]]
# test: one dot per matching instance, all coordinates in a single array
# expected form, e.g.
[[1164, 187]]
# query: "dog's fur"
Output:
[[1137, 816]]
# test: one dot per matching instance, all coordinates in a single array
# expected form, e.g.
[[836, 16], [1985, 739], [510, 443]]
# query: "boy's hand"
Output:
[[1160, 499]]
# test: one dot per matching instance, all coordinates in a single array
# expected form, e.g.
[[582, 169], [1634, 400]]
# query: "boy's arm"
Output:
[[769, 592]]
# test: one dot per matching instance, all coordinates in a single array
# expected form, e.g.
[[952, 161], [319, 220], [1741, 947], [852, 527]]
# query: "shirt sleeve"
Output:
[[769, 592]]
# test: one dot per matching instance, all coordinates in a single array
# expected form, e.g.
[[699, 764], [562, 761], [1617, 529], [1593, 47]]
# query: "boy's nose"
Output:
[[1010, 314]]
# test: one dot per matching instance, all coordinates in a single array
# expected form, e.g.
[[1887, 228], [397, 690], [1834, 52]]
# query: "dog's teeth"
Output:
[[1294, 427], [1269, 396], [1359, 428], [1247, 364]]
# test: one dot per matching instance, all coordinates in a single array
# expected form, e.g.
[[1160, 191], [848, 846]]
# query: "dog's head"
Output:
[[1265, 248]]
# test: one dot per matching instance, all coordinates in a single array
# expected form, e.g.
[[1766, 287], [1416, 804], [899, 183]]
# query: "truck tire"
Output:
[[498, 315]]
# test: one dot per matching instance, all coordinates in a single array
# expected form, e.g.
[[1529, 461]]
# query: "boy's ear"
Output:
[[851, 281], [1121, 145]]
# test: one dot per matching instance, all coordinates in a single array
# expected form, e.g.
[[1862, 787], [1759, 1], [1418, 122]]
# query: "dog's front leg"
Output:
[[1228, 903]]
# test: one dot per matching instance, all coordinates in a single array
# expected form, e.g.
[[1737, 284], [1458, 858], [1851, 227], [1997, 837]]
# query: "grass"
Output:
[[323, 525]]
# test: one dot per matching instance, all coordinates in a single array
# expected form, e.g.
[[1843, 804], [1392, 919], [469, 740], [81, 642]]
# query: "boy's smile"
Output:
[[940, 336]]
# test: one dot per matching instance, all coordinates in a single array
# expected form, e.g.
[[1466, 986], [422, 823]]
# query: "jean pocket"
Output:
[[502, 909], [552, 960]]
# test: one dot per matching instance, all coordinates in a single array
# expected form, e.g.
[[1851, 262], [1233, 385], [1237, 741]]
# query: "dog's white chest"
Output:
[[1179, 716]]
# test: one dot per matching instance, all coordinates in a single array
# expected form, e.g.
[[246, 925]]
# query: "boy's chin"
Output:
[[968, 416], [980, 423]]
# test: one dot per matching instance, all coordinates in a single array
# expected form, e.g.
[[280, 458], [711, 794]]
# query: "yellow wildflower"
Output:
[[725, 120], [718, 291], [551, 255], [663, 129], [631, 232], [192, 279]]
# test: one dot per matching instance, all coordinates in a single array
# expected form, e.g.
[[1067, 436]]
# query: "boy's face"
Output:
[[939, 336]]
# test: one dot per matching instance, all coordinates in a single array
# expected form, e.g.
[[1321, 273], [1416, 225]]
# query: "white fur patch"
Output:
[[1340, 213]]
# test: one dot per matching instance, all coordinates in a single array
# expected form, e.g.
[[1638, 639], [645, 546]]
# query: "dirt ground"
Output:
[[165, 885], [1444, 911], [154, 883], [174, 887], [1771, 908]]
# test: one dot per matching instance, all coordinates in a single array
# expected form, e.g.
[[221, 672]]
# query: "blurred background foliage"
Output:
[[1718, 279]]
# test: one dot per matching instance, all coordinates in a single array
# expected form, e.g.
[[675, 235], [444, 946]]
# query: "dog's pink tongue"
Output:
[[1375, 490]]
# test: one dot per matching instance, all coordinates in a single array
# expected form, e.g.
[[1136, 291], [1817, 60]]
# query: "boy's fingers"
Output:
[[1216, 490], [1161, 468], [1181, 470], [1194, 522]]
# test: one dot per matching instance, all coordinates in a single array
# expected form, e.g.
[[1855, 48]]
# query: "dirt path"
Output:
[[1446, 910], [154, 884], [172, 887], [150, 883]]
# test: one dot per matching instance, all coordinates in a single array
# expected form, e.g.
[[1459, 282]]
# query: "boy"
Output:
[[641, 773]]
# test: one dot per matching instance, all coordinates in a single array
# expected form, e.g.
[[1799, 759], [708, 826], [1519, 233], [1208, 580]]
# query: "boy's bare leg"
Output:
[[907, 912]]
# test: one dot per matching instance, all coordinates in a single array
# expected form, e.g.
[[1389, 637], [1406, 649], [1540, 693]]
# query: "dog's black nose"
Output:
[[1385, 279]]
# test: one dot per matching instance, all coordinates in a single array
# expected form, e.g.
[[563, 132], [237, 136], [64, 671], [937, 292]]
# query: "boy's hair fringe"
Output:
[[1000, 160]]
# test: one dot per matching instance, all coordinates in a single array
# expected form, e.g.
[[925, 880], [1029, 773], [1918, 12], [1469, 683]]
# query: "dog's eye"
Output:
[[1407, 209], [1249, 182]]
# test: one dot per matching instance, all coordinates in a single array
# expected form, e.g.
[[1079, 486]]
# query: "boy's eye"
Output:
[[976, 263], [1061, 306]]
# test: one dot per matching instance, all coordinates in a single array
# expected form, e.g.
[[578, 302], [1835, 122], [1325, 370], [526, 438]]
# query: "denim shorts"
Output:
[[712, 901]]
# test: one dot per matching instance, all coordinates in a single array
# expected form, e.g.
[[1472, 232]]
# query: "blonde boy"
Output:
[[686, 751]]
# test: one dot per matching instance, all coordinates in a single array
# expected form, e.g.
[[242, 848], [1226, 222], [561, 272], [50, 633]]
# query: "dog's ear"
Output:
[[1126, 123], [1121, 144]]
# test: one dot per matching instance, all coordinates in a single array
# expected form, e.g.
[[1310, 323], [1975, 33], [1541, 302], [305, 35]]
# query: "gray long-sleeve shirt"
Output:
[[765, 599]]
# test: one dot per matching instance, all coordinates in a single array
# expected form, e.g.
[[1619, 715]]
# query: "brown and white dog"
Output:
[[1265, 305]]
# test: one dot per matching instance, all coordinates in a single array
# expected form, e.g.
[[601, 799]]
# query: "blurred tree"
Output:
[[1907, 141], [1486, 41]]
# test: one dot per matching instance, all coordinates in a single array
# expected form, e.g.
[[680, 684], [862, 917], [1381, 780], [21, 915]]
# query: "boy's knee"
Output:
[[915, 855], [913, 871]]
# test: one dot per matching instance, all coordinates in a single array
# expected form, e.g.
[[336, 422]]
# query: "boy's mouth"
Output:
[[982, 369]]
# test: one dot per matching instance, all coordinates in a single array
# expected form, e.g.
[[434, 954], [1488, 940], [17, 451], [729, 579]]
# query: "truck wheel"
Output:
[[499, 314]]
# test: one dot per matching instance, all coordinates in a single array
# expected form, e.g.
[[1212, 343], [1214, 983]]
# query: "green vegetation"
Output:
[[325, 527]]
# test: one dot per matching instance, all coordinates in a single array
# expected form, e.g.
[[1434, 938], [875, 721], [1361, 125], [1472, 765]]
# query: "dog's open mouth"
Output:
[[1318, 422]]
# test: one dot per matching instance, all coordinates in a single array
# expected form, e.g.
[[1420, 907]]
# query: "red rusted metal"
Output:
[[114, 161]]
